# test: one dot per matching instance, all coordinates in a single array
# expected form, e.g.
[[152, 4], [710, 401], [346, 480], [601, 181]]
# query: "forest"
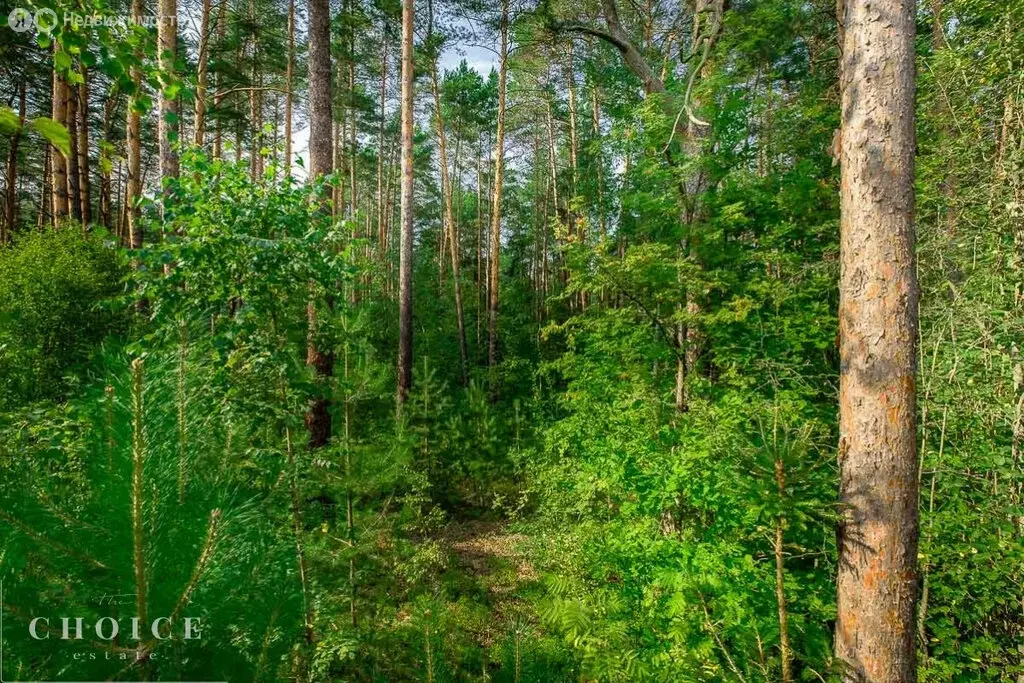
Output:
[[512, 340]]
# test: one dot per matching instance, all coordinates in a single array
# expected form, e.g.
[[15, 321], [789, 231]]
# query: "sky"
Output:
[[477, 58]]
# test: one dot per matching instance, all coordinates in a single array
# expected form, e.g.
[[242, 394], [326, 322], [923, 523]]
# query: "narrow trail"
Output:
[[493, 556]]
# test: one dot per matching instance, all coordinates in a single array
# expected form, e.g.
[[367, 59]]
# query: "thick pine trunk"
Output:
[[406, 236], [877, 579], [318, 418]]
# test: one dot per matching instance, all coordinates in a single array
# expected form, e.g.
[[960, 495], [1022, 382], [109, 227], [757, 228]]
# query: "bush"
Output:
[[53, 285]]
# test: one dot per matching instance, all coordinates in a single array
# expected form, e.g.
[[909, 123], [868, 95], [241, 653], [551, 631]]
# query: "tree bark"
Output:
[[167, 125], [84, 184], [352, 150], [255, 100], [878, 491], [785, 651], [74, 175], [218, 134], [46, 190], [106, 163], [381, 220], [318, 418], [289, 77], [58, 162], [570, 78], [499, 167], [202, 71], [133, 142], [406, 237]]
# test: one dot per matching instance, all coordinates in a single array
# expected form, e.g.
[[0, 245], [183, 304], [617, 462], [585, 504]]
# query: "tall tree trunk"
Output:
[[570, 78], [948, 132], [352, 186], [318, 418], [46, 189], [255, 125], [499, 167], [480, 303], [106, 162], [133, 132], [785, 651], [84, 184], [133, 143], [289, 77], [878, 490], [218, 97], [599, 165], [167, 125], [58, 162], [381, 219], [11, 207], [406, 237], [74, 174], [202, 71], [449, 219], [553, 171], [255, 101]]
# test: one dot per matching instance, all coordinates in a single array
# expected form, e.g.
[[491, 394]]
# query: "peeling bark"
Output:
[[878, 533]]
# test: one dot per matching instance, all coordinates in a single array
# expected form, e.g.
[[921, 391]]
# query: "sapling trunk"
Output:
[[138, 491], [785, 652], [182, 423]]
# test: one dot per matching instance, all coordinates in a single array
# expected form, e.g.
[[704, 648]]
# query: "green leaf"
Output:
[[10, 123], [56, 134], [61, 60]]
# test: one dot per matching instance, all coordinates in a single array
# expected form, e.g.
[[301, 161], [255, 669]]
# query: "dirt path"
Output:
[[487, 551]]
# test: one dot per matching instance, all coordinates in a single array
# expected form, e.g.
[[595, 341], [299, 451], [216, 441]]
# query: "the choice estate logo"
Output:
[[124, 641], [108, 628]]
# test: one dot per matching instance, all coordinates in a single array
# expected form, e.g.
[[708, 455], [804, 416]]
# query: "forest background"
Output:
[[613, 297]]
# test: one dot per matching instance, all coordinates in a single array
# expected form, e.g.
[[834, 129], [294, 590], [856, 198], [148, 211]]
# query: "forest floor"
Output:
[[494, 557]]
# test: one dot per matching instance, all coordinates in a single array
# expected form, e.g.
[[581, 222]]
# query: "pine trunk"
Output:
[[318, 418], [202, 71], [878, 534], [167, 125], [406, 237], [499, 167], [74, 176], [11, 207], [449, 227], [84, 184], [289, 78], [133, 133], [59, 162]]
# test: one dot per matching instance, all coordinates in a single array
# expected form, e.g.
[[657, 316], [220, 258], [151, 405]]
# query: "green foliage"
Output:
[[640, 486], [53, 287], [155, 437]]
